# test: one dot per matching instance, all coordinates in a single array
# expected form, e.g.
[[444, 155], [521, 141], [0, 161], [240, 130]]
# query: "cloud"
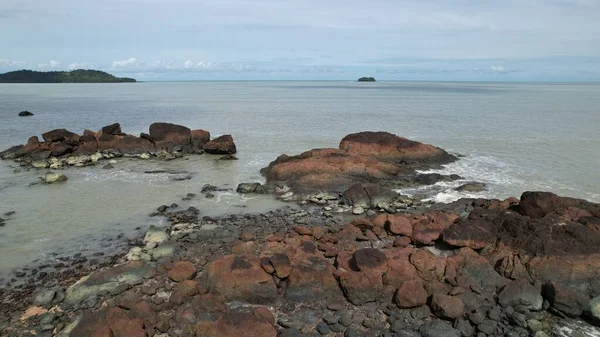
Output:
[[129, 63], [4, 63], [50, 64], [498, 69], [82, 65]]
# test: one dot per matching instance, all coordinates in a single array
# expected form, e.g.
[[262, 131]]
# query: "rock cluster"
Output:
[[509, 268], [61, 148], [367, 157]]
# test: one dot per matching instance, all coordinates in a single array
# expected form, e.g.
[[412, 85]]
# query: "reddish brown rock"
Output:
[[411, 294], [282, 265], [241, 278], [59, 135], [472, 233], [445, 306], [87, 144], [166, 135], [124, 143], [429, 267], [199, 138], [221, 145], [401, 241], [400, 269], [182, 270], [113, 129], [398, 225], [60, 149], [236, 324], [184, 289]]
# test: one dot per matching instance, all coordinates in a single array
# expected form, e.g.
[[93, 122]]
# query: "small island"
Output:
[[73, 76], [366, 79]]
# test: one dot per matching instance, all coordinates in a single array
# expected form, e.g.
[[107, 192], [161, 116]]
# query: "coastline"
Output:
[[355, 260]]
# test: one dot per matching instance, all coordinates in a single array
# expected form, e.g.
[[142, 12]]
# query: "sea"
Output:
[[513, 137]]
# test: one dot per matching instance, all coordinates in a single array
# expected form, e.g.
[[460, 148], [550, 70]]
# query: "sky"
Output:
[[424, 40]]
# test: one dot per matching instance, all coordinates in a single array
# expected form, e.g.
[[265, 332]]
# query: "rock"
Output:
[[248, 188], [567, 301], [182, 270], [228, 157], [45, 298], [236, 323], [155, 236], [25, 114], [113, 129], [221, 145], [130, 273], [521, 293], [438, 328], [357, 210], [411, 294], [445, 306], [59, 135], [167, 135], [593, 310], [52, 178], [281, 264], [241, 278], [199, 138], [390, 147], [472, 187]]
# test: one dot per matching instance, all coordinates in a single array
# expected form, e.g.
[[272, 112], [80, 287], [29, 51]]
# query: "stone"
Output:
[[323, 328], [53, 178], [567, 301], [411, 294], [237, 323], [593, 310], [199, 138], [25, 114], [59, 135], [438, 328], [221, 145], [472, 187], [167, 135], [155, 236], [113, 129], [247, 188], [282, 265], [182, 270], [521, 293], [241, 278], [445, 306]]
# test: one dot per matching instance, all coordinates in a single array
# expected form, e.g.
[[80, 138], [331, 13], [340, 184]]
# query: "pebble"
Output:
[[346, 320], [323, 328], [351, 332], [337, 327]]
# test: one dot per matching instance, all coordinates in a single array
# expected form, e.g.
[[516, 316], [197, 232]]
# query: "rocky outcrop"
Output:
[[221, 145], [366, 157], [492, 272], [164, 140]]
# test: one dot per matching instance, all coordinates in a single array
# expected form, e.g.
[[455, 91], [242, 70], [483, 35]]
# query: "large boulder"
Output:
[[221, 145], [124, 143], [521, 293], [389, 147], [59, 135], [564, 300], [241, 278], [113, 129], [167, 135]]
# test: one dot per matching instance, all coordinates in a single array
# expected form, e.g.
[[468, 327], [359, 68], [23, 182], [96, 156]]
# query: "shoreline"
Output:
[[354, 259]]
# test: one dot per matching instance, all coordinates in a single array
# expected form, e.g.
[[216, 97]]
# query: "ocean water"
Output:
[[514, 137]]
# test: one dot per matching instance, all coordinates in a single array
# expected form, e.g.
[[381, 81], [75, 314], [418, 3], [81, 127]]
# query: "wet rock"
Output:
[[52, 178], [521, 293], [228, 157], [566, 301], [472, 187], [221, 145], [182, 270], [25, 114], [248, 188], [130, 273], [593, 310]]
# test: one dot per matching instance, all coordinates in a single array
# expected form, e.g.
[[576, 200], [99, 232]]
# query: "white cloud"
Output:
[[10, 63], [129, 63], [498, 69], [50, 64], [82, 65]]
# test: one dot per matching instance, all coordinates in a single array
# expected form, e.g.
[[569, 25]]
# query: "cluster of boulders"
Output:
[[505, 268], [62, 148], [365, 157]]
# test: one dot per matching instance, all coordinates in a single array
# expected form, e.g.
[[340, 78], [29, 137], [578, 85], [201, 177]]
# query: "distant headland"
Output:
[[73, 76], [366, 79]]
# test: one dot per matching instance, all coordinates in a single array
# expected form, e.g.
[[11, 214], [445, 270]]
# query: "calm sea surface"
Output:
[[514, 137]]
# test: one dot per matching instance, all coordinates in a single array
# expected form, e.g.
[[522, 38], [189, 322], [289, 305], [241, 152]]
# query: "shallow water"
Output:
[[515, 137]]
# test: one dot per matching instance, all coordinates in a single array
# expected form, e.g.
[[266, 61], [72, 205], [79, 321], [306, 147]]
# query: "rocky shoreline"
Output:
[[351, 258]]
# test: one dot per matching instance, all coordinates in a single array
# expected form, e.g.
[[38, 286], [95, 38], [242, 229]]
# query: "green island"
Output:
[[73, 76], [366, 79]]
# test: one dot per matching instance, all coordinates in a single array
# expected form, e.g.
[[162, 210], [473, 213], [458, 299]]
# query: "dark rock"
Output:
[[221, 145], [113, 129], [521, 293], [472, 187], [248, 188], [59, 135], [25, 114], [567, 301], [438, 328], [167, 135]]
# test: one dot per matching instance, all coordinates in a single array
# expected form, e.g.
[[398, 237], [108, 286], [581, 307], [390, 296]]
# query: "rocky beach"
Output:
[[347, 255]]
